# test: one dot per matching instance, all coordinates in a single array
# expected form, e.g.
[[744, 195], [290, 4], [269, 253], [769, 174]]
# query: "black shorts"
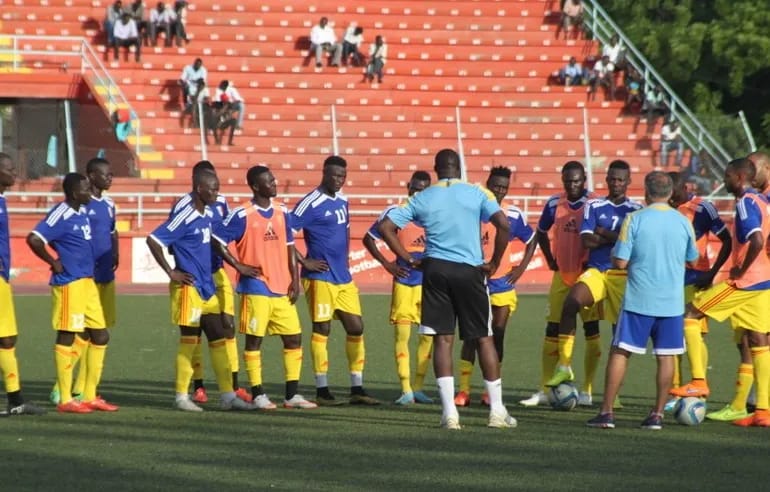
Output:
[[454, 293]]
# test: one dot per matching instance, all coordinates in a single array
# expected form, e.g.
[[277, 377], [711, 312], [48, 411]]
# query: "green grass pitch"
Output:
[[148, 445]]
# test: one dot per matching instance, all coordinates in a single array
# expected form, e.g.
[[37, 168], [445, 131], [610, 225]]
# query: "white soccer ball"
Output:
[[690, 411], [563, 397]]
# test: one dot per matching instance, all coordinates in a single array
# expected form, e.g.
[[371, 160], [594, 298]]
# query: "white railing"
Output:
[[85, 60], [143, 205], [696, 136]]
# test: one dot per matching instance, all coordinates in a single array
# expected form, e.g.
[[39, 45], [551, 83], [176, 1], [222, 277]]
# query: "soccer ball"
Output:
[[690, 411], [563, 397]]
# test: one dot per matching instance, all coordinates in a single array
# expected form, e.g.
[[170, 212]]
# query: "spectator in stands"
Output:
[[351, 43], [378, 52], [323, 40], [573, 73], [191, 74], [136, 11], [615, 51], [114, 12], [697, 172], [162, 18], [225, 119], [226, 93], [634, 82], [125, 35], [180, 22], [603, 74], [571, 15], [671, 138], [654, 104], [198, 103]]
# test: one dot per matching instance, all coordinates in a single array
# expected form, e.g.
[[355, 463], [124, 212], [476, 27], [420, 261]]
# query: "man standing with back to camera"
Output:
[[454, 277]]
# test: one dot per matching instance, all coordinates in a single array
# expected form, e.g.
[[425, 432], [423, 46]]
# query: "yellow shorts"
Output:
[[224, 292], [690, 293], [556, 296], [7, 311], [607, 287], [263, 315], [505, 299], [325, 299], [405, 303], [747, 309], [107, 299], [187, 307], [76, 306]]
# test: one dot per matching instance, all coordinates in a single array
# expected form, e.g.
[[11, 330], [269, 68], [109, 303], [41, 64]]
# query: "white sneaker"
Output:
[[501, 421], [585, 399], [235, 403], [536, 399], [184, 403], [451, 422], [262, 402], [298, 401]]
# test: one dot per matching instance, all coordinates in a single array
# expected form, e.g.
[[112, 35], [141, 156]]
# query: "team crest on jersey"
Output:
[[270, 234]]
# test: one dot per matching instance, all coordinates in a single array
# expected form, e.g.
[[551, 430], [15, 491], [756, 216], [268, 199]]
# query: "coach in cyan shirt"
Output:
[[654, 244], [454, 276]]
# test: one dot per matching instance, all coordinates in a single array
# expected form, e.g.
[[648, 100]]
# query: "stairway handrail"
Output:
[[695, 135]]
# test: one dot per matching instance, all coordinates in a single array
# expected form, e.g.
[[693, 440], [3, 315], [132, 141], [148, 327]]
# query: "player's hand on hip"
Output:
[[56, 266], [736, 273], [115, 261], [489, 268], [704, 281], [514, 275], [181, 277], [248, 270], [397, 271], [553, 266], [314, 265]]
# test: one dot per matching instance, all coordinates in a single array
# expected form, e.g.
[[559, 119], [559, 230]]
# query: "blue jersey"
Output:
[[101, 215], [232, 229], [705, 219], [188, 232], [412, 237], [326, 225], [220, 210], [656, 265], [548, 217], [68, 232], [451, 212], [519, 230], [609, 216], [5, 242]]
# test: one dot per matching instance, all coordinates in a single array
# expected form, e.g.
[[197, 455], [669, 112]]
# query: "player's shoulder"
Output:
[[59, 212], [108, 201], [222, 199], [512, 211], [598, 202], [182, 202], [553, 200], [633, 204], [706, 207]]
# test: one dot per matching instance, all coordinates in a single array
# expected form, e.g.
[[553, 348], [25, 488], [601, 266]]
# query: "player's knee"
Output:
[[292, 342], [100, 337], [572, 306], [322, 328], [552, 330], [591, 328], [7, 342], [253, 343], [65, 338]]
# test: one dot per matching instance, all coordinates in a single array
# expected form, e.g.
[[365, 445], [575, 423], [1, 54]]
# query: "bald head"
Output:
[[762, 169], [447, 164]]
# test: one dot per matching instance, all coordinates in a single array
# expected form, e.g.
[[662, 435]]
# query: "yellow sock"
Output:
[[80, 353], [95, 356], [184, 363], [253, 361], [354, 348], [549, 358], [593, 353], [705, 355], [220, 362], [466, 371], [566, 345], [231, 345], [402, 332], [319, 353], [9, 366], [197, 360], [761, 358], [743, 386], [677, 381], [424, 348], [292, 363], [694, 341], [63, 358]]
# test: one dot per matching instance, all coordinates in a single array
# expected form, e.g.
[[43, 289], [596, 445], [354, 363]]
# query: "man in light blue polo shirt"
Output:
[[654, 245], [454, 276]]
